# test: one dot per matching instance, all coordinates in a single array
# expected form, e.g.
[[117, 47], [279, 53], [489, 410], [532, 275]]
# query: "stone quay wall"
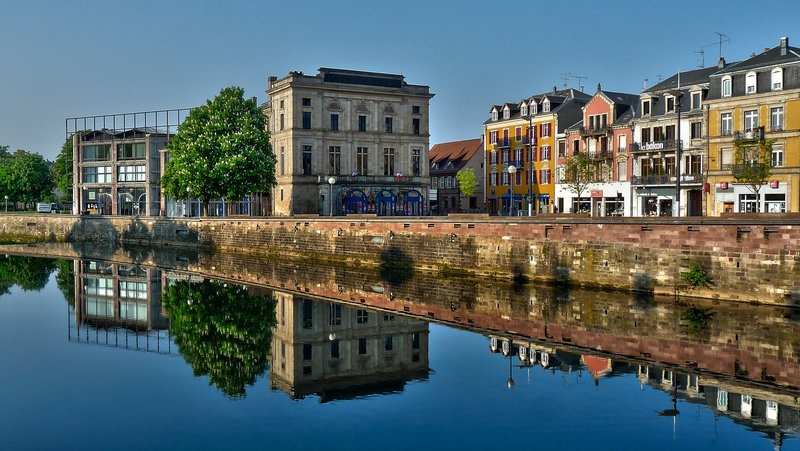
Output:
[[752, 258]]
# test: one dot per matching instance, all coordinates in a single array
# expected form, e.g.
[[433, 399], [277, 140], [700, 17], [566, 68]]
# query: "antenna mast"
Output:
[[566, 76], [580, 77], [702, 54], [721, 40]]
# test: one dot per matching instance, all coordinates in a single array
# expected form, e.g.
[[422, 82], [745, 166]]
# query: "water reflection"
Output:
[[224, 331], [29, 273]]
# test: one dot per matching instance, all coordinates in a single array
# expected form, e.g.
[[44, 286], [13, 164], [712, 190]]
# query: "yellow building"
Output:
[[754, 98], [522, 135]]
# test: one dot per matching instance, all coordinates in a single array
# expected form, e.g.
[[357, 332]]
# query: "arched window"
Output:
[[750, 83], [546, 106], [506, 113], [726, 86], [777, 79]]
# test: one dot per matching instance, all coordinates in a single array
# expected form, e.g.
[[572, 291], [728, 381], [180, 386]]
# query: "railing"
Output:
[[747, 169], [601, 154], [596, 130], [517, 163], [755, 135], [371, 179], [665, 179], [655, 145], [502, 142]]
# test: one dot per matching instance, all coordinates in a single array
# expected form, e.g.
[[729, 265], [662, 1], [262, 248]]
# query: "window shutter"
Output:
[[549, 177]]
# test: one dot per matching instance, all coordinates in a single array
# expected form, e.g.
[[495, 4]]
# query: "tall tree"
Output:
[[580, 170], [62, 169], [25, 177], [222, 149], [467, 182], [753, 164]]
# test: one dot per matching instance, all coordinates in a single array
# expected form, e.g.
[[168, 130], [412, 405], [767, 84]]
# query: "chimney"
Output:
[[598, 87], [721, 63], [272, 79], [784, 45], [554, 89]]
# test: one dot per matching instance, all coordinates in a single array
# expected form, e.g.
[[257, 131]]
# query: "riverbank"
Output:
[[750, 258]]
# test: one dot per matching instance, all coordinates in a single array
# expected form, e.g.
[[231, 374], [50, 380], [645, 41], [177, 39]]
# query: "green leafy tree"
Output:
[[222, 149], [467, 181], [753, 164], [222, 330], [30, 273], [62, 169], [580, 170], [25, 177]]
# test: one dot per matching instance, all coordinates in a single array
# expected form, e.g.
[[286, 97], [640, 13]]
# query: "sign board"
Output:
[[723, 185], [774, 184], [597, 193], [433, 194]]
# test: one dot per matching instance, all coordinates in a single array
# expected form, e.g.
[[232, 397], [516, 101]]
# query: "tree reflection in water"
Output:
[[30, 273], [222, 330]]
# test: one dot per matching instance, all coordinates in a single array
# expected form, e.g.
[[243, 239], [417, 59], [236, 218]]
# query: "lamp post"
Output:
[[512, 170], [188, 200], [331, 182], [6, 196]]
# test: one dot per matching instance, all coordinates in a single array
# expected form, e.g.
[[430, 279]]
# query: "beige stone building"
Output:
[[365, 132]]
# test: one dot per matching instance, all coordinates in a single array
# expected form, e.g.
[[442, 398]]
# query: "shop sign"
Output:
[[597, 193], [774, 184], [723, 185]]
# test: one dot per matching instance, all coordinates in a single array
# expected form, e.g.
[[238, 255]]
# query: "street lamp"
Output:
[[331, 181], [6, 196], [512, 170], [188, 200]]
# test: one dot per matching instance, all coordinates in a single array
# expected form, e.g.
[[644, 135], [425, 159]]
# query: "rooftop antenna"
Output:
[[580, 77], [566, 76], [659, 78], [702, 54], [721, 40]]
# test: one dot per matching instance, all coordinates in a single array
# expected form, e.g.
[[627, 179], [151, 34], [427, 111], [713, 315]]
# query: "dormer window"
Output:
[[524, 110], [750, 83], [670, 104], [726, 86], [777, 79], [494, 115], [533, 108], [546, 106], [506, 113], [645, 107], [696, 98]]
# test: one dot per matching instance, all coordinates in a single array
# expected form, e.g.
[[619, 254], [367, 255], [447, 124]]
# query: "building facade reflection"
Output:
[[341, 352]]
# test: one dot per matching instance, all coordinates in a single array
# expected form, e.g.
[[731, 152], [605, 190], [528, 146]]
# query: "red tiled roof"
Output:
[[456, 151]]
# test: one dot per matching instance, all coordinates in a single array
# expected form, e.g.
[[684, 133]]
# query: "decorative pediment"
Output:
[[334, 106], [362, 108], [388, 110]]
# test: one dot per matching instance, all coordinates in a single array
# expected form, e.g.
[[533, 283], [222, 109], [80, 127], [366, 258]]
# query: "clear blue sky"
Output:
[[73, 58]]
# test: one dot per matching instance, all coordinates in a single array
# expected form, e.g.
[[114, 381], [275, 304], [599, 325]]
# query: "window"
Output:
[[750, 83], [415, 109], [726, 86], [694, 163], [306, 101], [545, 153], [697, 130], [670, 132], [448, 182], [131, 173], [493, 137], [622, 171], [670, 165], [725, 123], [433, 182], [645, 135], [415, 340], [562, 149], [416, 158], [387, 343], [306, 120], [281, 126], [775, 203], [388, 317], [283, 162], [494, 115], [281, 104], [546, 106], [544, 178], [335, 122], [336, 315], [308, 316], [132, 151], [99, 287], [362, 346], [132, 290], [388, 161], [776, 119], [506, 181], [695, 100], [645, 107], [362, 123], [725, 158], [97, 174], [335, 349], [493, 157], [518, 134], [748, 203], [506, 156], [545, 130], [622, 146], [533, 108], [670, 104], [518, 157], [523, 110], [441, 182], [750, 120], [576, 146], [415, 125], [306, 160], [362, 316], [307, 351], [777, 79], [506, 113], [388, 125], [361, 160], [777, 156], [97, 152], [335, 160]]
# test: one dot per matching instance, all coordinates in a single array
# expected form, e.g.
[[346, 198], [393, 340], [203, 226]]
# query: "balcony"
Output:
[[596, 130], [517, 163], [649, 180], [503, 142], [601, 154], [752, 135], [654, 146]]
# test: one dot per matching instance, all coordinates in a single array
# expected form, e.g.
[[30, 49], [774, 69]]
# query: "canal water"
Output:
[[96, 354]]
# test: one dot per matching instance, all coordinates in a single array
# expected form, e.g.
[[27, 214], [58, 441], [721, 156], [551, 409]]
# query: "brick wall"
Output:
[[749, 258]]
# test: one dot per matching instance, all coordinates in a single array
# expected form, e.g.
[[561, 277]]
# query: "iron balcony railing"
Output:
[[665, 179], [596, 130], [503, 142], [752, 135]]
